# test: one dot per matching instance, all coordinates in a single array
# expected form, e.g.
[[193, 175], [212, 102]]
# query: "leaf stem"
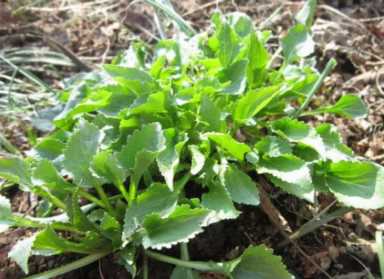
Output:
[[8, 145], [69, 267], [328, 68], [122, 189], [104, 198], [132, 193], [197, 265], [91, 198]]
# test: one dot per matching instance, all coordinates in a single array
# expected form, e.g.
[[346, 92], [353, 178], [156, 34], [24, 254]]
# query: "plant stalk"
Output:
[[69, 267], [8, 145], [197, 265], [328, 68]]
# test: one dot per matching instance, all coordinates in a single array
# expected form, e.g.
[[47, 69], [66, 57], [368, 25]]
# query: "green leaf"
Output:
[[79, 152], [258, 262], [307, 13], [348, 106], [219, 201], [156, 199], [15, 170], [45, 174], [229, 46], [253, 102], [241, 23], [273, 146], [297, 131], [152, 104], [128, 73], [287, 168], [5, 214], [304, 191], [48, 148], [168, 159], [141, 149], [211, 114], [21, 252], [335, 150], [183, 224], [240, 186], [106, 166], [198, 159], [298, 43], [258, 55], [357, 184], [229, 144], [236, 76]]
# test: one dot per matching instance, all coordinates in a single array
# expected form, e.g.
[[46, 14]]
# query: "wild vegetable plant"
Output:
[[164, 142]]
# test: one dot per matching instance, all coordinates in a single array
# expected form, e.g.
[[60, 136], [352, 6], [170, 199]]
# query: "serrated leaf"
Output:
[[298, 43], [15, 170], [21, 252], [45, 174], [287, 168], [79, 152], [307, 13], [5, 214], [273, 146], [168, 159], [48, 148], [348, 106], [240, 186], [211, 115], [335, 150], [229, 144], [219, 201], [304, 191], [183, 224], [156, 199], [152, 104], [297, 131], [141, 149], [258, 262], [198, 159], [106, 166], [253, 102], [357, 184]]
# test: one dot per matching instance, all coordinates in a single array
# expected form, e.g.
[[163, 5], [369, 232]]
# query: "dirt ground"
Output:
[[352, 31]]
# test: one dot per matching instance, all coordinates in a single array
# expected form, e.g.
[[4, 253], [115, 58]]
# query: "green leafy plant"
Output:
[[210, 113]]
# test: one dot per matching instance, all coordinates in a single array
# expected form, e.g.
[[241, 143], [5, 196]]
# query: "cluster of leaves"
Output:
[[160, 144]]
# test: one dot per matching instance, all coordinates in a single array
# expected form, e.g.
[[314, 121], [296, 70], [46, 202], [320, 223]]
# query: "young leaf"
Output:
[[79, 152], [240, 186], [183, 224], [156, 199], [357, 184], [15, 170], [307, 13], [253, 102], [76, 216], [106, 166], [229, 47], [229, 144], [141, 149], [348, 106], [211, 114], [298, 43], [198, 159], [258, 262], [21, 252], [168, 159], [219, 201], [335, 150], [273, 146], [298, 131], [48, 148], [236, 75]]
